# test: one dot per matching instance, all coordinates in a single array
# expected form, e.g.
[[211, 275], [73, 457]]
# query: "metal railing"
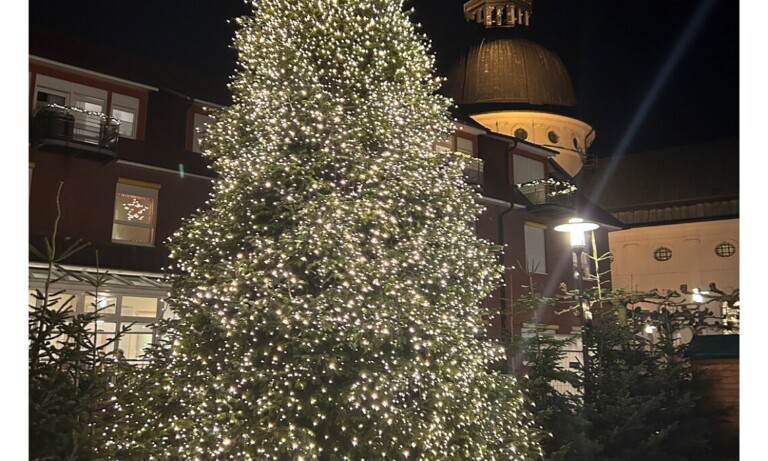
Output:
[[546, 191], [66, 123]]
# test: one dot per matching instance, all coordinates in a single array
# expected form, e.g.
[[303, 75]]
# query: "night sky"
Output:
[[641, 80]]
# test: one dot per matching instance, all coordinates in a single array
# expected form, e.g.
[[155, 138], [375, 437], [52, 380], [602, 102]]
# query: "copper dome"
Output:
[[512, 71]]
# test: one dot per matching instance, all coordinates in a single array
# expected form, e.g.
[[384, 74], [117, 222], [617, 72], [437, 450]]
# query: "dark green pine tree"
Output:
[[559, 413], [643, 398], [646, 394], [71, 376], [329, 298]]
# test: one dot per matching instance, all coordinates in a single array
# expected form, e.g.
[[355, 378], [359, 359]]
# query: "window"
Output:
[[51, 90], [725, 250], [135, 340], [200, 124], [464, 145], [553, 137], [133, 301], [103, 304], [137, 313], [445, 145], [125, 109], [521, 134], [135, 212], [535, 249], [137, 306], [662, 254], [47, 96], [525, 169]]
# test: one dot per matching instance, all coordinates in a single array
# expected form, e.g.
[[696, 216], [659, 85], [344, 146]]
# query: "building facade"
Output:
[[114, 161], [681, 208]]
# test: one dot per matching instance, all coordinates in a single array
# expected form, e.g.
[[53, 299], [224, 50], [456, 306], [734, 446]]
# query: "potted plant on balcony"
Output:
[[110, 131], [53, 121]]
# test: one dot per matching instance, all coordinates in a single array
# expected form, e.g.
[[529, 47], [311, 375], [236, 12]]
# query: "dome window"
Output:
[[553, 137], [662, 254], [521, 134], [725, 250]]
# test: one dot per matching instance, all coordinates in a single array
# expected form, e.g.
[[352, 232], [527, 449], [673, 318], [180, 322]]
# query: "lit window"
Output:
[[33, 301], [104, 304], [105, 332], [535, 253], [137, 306], [200, 124], [135, 340], [135, 213], [662, 254], [725, 250]]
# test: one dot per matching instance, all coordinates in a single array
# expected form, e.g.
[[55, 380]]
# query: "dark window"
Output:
[[553, 137], [662, 254], [520, 133], [48, 98], [725, 250]]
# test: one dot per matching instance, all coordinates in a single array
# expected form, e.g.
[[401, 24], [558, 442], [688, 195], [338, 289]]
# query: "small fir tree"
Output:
[[643, 400], [71, 395], [328, 299], [559, 412]]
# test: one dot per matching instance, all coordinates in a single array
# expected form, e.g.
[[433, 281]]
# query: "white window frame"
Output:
[[525, 169], [465, 145], [535, 248], [74, 93], [81, 293], [126, 104], [52, 85], [124, 186], [445, 145]]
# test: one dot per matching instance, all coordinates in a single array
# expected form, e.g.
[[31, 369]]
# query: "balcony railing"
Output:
[[75, 131], [547, 191]]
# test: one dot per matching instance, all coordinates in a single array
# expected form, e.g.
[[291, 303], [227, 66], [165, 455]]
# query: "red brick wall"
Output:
[[723, 394]]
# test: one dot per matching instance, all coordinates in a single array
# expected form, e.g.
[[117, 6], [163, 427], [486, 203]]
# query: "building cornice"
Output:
[[61, 65]]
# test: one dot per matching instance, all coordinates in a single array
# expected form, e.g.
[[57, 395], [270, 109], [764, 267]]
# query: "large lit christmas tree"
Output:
[[329, 298]]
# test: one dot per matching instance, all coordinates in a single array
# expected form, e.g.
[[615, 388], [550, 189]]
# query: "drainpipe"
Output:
[[505, 305]]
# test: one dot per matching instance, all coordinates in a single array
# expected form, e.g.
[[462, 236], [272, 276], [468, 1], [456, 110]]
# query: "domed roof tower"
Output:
[[517, 87]]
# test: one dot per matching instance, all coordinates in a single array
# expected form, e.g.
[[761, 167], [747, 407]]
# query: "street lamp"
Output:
[[577, 227]]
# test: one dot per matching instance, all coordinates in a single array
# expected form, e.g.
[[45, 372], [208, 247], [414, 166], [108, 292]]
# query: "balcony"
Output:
[[472, 167], [548, 192], [76, 132]]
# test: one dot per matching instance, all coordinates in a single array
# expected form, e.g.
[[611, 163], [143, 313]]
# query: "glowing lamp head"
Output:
[[576, 227]]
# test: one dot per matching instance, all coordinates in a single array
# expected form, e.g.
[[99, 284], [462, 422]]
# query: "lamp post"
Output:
[[577, 227]]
